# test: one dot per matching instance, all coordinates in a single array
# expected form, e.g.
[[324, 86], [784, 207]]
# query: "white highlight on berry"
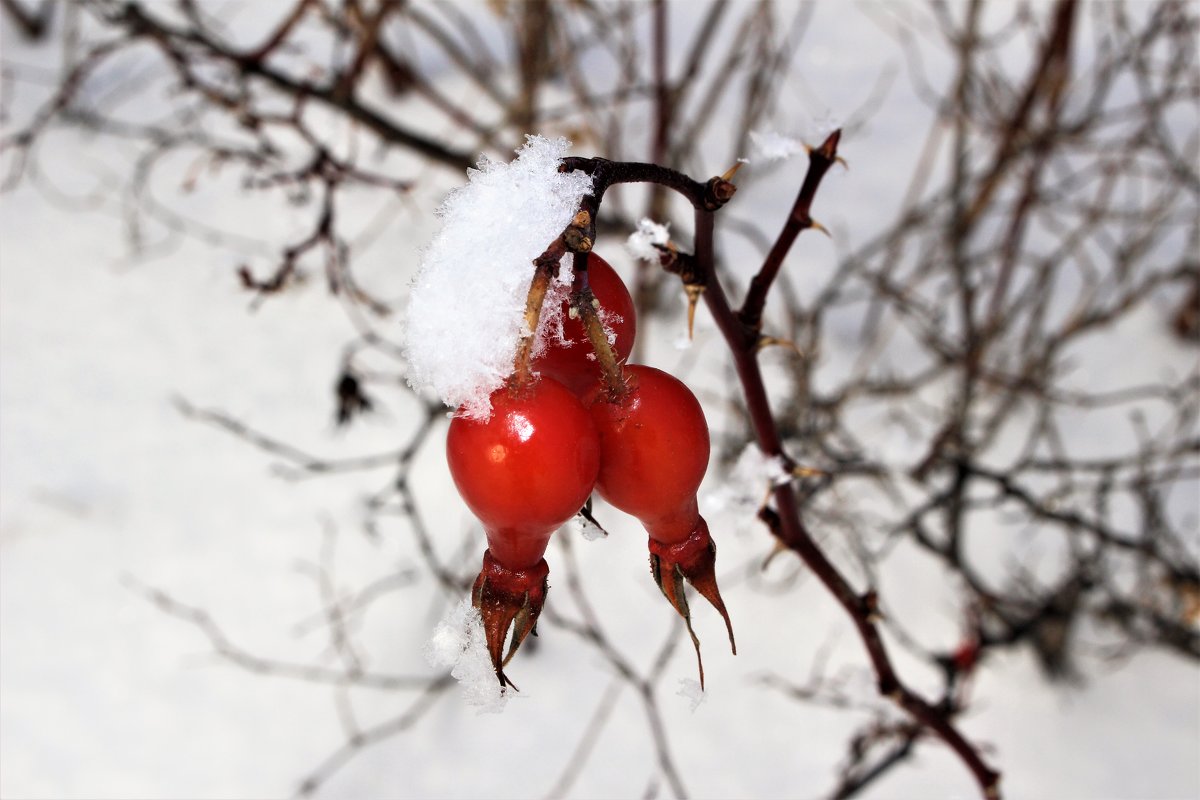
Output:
[[466, 311]]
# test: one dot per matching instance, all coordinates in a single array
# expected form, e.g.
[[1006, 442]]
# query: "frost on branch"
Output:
[[744, 491], [459, 642], [770, 146], [641, 243], [465, 314]]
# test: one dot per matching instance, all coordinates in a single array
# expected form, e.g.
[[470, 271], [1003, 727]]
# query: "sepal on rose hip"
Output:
[[508, 599], [692, 560]]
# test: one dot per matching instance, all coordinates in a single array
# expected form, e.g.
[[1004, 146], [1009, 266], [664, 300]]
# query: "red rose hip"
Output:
[[523, 472], [654, 449]]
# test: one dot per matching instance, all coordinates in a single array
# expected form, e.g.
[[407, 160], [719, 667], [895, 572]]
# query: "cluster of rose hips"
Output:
[[637, 438]]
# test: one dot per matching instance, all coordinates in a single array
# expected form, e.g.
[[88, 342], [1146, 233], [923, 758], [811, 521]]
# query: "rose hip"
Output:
[[523, 472], [654, 449]]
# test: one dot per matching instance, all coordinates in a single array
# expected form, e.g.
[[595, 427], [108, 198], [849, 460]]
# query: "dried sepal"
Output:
[[508, 599], [693, 560]]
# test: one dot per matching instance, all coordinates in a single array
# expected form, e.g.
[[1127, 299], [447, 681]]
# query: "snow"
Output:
[[590, 530], [771, 146], [101, 478], [690, 690], [641, 243], [459, 642], [749, 482], [466, 310]]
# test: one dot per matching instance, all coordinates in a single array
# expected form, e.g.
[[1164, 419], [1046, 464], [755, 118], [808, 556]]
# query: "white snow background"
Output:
[[105, 487]]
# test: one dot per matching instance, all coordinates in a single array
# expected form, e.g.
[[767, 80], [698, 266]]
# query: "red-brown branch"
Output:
[[742, 339], [820, 159]]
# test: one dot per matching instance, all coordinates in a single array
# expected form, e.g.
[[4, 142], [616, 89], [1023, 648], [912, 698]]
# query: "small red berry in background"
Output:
[[575, 363], [523, 472], [966, 656], [654, 449]]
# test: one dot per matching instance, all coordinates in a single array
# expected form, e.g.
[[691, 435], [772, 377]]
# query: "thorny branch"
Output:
[[1052, 204], [742, 340]]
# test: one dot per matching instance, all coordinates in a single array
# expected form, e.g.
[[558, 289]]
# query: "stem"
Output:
[[662, 105], [546, 266], [584, 303], [646, 278], [862, 609], [577, 238], [712, 195], [820, 160]]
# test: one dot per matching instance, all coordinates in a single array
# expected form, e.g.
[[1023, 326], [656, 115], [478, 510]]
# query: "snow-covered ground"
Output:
[[106, 490]]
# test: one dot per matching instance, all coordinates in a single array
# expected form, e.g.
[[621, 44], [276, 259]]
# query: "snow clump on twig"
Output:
[[641, 243], [770, 146]]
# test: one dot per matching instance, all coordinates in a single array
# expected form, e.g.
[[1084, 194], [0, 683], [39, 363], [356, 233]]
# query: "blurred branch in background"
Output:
[[1051, 212]]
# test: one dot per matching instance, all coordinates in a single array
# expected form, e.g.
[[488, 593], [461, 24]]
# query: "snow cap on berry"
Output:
[[466, 310]]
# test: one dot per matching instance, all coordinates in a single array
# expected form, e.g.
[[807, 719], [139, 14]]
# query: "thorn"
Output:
[[870, 603], [769, 341], [812, 223], [829, 146], [694, 291], [776, 549], [808, 472], [839, 160], [769, 517], [729, 173]]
